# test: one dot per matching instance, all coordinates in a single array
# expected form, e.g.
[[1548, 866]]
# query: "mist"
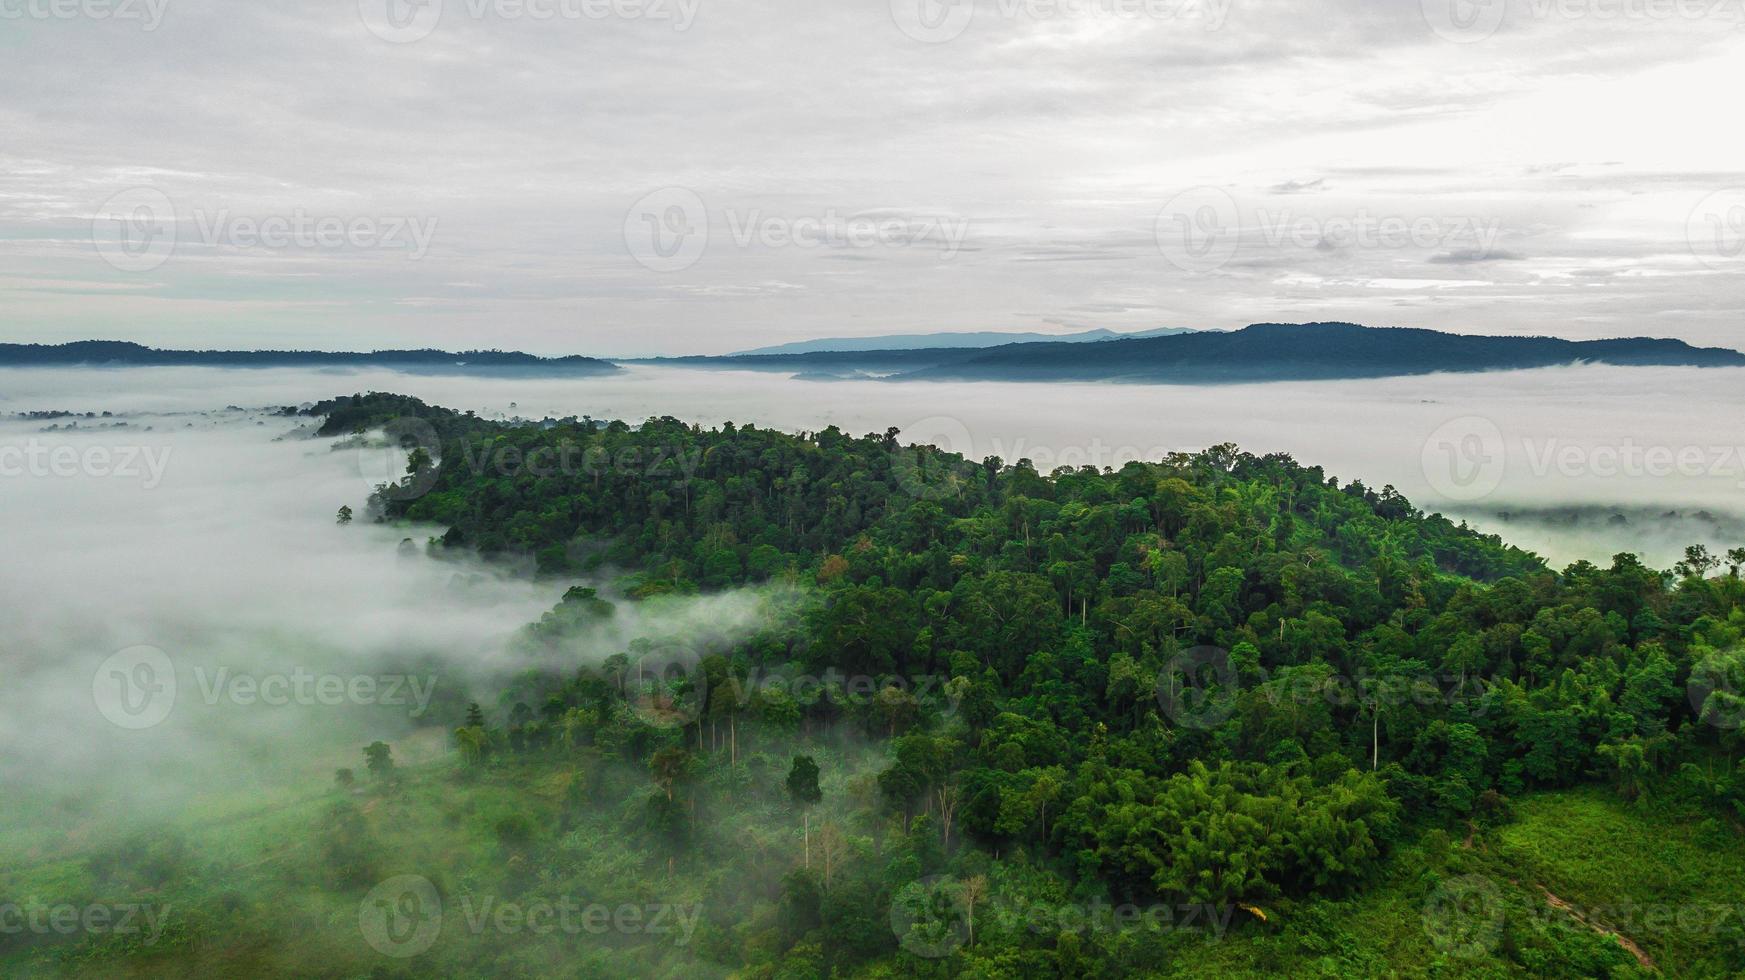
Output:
[[178, 532], [201, 550], [164, 539], [1652, 455]]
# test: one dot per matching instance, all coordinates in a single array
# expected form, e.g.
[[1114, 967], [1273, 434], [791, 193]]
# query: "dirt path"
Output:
[[1624, 941]]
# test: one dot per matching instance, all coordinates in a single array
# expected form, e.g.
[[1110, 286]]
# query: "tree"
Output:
[[345, 515], [471, 741], [832, 847], [803, 781], [1698, 563], [803, 788], [669, 766], [975, 888], [380, 759]]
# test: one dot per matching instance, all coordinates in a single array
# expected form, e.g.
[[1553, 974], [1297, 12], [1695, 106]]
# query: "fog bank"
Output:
[[1660, 446]]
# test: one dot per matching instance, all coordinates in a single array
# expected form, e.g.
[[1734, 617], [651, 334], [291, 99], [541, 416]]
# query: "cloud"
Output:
[[1468, 256], [211, 536], [528, 142]]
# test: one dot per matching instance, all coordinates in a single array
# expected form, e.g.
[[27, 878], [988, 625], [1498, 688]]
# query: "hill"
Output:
[[115, 353], [936, 341], [1310, 351]]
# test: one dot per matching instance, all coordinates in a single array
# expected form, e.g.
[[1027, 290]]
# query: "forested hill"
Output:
[[1309, 351], [1260, 352], [1215, 678], [115, 353], [678, 487]]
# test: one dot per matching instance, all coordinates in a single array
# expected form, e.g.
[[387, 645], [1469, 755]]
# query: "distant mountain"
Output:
[[954, 341], [1261, 352], [115, 353], [1307, 351], [826, 365]]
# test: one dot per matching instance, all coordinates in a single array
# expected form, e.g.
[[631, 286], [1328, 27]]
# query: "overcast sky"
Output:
[[633, 176]]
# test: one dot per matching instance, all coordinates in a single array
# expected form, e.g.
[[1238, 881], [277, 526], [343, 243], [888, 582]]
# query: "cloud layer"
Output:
[[687, 175]]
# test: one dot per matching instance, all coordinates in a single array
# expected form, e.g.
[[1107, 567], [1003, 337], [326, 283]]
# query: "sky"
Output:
[[625, 177]]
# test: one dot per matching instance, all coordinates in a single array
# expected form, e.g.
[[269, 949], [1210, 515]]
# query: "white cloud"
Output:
[[1054, 138]]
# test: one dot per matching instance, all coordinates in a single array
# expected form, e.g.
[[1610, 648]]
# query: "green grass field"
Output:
[[277, 889]]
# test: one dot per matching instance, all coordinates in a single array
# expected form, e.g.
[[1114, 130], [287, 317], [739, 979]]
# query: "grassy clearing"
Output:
[[277, 890]]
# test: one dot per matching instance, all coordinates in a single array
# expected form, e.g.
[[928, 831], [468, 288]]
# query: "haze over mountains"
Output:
[[116, 353], [1260, 352], [934, 341]]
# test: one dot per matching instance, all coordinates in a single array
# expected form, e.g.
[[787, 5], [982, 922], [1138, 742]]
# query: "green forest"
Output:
[[1216, 714]]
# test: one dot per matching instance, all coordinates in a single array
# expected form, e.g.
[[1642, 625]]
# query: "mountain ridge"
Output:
[[952, 341], [122, 353], [1256, 353], [1311, 351]]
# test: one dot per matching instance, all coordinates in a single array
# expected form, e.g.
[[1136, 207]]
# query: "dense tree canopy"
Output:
[[1213, 678]]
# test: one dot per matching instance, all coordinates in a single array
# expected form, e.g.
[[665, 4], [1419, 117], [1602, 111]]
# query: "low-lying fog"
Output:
[[1577, 462], [180, 541], [185, 618]]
